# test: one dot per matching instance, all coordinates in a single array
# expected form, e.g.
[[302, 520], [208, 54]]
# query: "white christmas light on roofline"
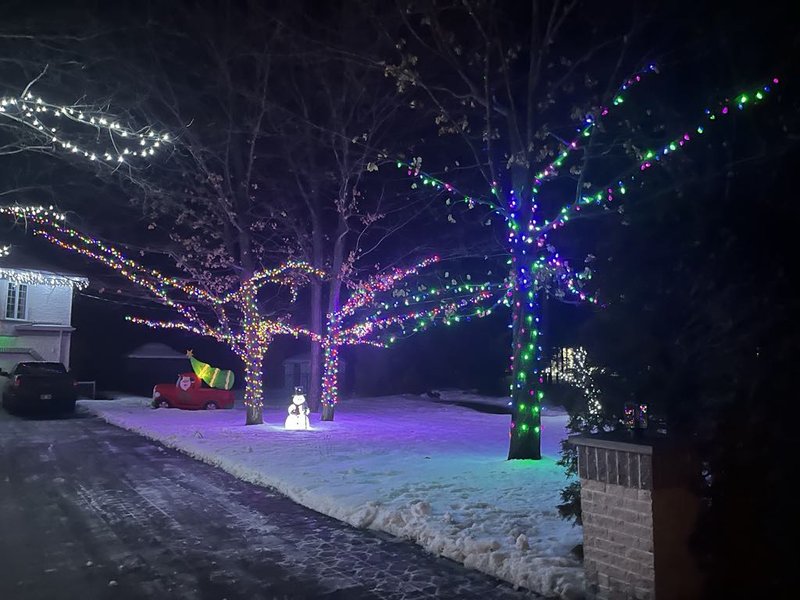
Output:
[[30, 277], [41, 117]]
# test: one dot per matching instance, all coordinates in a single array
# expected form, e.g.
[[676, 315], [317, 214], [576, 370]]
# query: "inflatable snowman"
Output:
[[298, 411]]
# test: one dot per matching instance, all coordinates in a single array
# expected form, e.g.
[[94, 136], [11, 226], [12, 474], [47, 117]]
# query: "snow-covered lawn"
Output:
[[430, 472]]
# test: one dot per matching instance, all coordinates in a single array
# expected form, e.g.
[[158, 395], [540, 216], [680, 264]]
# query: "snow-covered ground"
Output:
[[428, 471]]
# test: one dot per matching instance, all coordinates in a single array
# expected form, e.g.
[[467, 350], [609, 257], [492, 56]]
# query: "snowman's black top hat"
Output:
[[298, 390]]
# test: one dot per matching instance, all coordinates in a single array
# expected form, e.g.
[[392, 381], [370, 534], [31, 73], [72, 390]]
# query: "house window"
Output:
[[16, 300]]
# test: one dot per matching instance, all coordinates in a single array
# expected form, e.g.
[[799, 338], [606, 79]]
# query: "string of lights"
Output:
[[45, 120], [448, 301], [572, 367]]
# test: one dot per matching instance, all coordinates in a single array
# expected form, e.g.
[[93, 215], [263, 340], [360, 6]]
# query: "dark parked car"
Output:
[[37, 387]]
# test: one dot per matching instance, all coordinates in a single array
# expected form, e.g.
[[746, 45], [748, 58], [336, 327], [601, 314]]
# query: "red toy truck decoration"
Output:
[[189, 393]]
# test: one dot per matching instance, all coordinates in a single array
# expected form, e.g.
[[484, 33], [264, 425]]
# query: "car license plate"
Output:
[[46, 396]]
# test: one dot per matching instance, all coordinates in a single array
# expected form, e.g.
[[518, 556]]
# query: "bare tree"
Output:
[[340, 119]]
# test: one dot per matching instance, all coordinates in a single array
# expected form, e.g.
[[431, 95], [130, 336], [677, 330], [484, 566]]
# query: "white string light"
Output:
[[573, 368], [31, 277], [45, 119]]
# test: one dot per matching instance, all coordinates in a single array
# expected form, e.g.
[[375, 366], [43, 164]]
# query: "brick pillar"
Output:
[[638, 513]]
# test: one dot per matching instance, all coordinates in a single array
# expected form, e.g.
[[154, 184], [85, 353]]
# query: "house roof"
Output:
[[155, 350], [22, 259], [23, 267]]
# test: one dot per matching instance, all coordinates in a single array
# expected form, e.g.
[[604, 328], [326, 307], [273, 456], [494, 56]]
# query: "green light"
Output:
[[759, 95], [524, 427], [744, 99], [522, 407], [618, 100], [540, 394], [535, 409], [536, 429]]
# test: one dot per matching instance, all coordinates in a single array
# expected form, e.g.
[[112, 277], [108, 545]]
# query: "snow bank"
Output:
[[429, 472]]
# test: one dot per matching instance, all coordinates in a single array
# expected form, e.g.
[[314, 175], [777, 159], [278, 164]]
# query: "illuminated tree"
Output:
[[208, 203], [364, 319], [234, 319], [501, 90]]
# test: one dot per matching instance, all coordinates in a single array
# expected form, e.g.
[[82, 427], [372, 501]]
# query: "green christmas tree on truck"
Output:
[[213, 377]]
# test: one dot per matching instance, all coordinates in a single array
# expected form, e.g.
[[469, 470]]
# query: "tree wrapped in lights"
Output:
[[234, 318], [572, 367], [363, 319], [535, 261], [501, 97]]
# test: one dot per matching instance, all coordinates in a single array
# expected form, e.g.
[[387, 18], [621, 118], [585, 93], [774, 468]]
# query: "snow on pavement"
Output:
[[429, 472]]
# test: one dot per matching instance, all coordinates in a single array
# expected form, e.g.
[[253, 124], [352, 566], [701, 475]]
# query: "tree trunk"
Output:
[[330, 382], [254, 391], [327, 412], [252, 353], [315, 375], [526, 380], [334, 297]]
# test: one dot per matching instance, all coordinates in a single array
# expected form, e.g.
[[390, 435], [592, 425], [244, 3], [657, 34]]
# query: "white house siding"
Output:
[[51, 305], [45, 332]]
